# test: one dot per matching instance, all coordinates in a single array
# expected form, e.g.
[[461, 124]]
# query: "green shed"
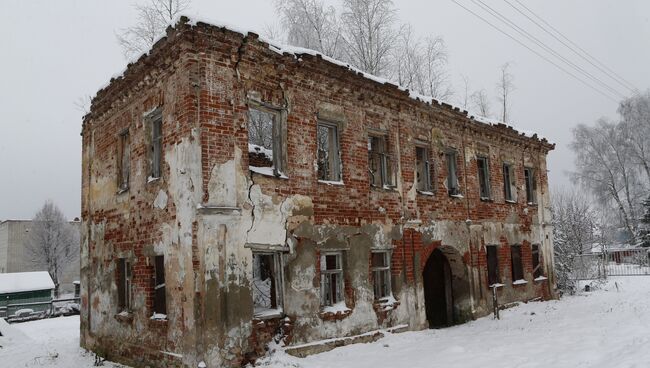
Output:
[[24, 291]]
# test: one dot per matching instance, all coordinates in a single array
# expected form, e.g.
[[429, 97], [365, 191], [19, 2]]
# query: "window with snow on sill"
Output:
[[339, 307], [159, 317], [519, 282]]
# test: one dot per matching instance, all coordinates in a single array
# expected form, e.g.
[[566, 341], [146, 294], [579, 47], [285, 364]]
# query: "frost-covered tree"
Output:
[[311, 24], [635, 124], [53, 243], [644, 233], [370, 33], [574, 222], [153, 18], [505, 87]]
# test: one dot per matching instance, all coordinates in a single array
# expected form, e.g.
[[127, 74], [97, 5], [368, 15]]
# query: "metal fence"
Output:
[[625, 262], [37, 310]]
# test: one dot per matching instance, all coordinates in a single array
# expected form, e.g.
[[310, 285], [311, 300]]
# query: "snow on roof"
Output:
[[296, 51], [25, 281]]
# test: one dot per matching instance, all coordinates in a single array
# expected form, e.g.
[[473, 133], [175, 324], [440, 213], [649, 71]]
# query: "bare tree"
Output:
[[407, 60], [505, 86], [370, 33], [153, 18], [53, 243], [481, 102], [465, 96], [574, 223], [604, 166], [311, 24], [635, 122]]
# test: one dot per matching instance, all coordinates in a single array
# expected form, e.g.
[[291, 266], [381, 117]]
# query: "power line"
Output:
[[545, 47], [604, 69], [535, 52]]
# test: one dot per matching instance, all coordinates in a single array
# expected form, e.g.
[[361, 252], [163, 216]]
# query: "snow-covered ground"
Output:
[[609, 327]]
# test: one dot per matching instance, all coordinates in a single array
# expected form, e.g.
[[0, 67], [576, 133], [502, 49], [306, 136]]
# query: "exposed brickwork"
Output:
[[207, 210]]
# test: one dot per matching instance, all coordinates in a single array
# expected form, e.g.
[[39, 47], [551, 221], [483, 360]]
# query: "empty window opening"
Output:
[[537, 267], [381, 165], [531, 185], [124, 284], [329, 162], [492, 264], [267, 284], [484, 177], [124, 161], [380, 267], [156, 146], [517, 267], [331, 279], [424, 170], [159, 296], [264, 141], [452, 173], [507, 183]]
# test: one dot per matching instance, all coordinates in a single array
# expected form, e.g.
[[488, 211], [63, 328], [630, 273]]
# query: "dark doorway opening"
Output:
[[438, 297]]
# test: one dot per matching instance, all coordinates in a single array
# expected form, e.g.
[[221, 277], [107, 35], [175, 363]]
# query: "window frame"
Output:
[[334, 163], [536, 256], [278, 284], [387, 169], [387, 291], [338, 293], [451, 161], [124, 285], [516, 263], [159, 287], [124, 161], [154, 124], [508, 193], [425, 170], [485, 188], [494, 276], [278, 133], [531, 185]]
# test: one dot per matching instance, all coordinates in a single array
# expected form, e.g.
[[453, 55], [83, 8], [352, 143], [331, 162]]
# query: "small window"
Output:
[[537, 267], [484, 177], [159, 298], [492, 264], [517, 267], [423, 170], [124, 161], [156, 146], [329, 162], [507, 182], [380, 267], [452, 173], [124, 284], [331, 269], [531, 185], [267, 283], [265, 141], [381, 166]]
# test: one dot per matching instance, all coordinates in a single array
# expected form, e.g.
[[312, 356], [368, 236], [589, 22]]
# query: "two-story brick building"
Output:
[[234, 190]]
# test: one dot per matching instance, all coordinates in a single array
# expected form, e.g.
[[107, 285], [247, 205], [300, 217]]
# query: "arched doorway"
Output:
[[438, 291]]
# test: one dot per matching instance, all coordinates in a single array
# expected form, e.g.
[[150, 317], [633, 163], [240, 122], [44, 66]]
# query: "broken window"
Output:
[[423, 170], [267, 281], [453, 188], [380, 164], [329, 162], [517, 266], [156, 145], [124, 284], [123, 161], [264, 141], [159, 298], [380, 267], [492, 264], [484, 177], [331, 269], [537, 267], [507, 182], [531, 185]]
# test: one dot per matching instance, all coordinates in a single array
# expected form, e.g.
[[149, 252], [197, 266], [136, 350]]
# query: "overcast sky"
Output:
[[54, 52]]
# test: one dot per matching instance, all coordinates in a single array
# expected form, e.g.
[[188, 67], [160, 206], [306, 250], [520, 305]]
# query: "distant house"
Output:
[[14, 256], [25, 290]]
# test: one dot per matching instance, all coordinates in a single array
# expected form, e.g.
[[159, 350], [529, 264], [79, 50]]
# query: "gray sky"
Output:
[[54, 52]]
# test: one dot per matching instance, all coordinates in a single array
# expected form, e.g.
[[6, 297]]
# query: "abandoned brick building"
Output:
[[235, 191]]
